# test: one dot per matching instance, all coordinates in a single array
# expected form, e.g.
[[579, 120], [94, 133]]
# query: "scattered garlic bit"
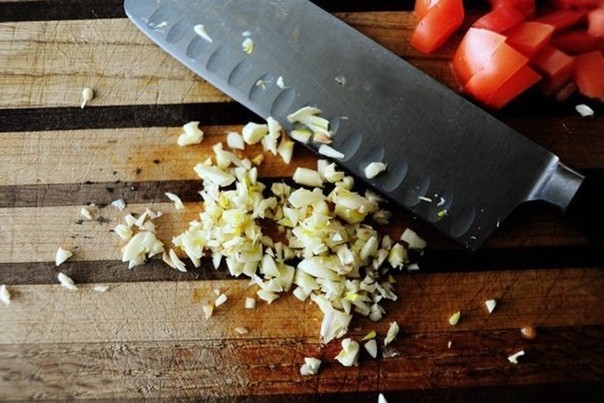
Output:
[[208, 309], [87, 95], [66, 281], [280, 82], [101, 288], [490, 304], [250, 303], [454, 319], [413, 240], [584, 110], [143, 244], [241, 330], [123, 231], [392, 332], [374, 169], [84, 212], [62, 255], [528, 332], [330, 152], [303, 136], [258, 159], [177, 202], [235, 141], [307, 116], [382, 399], [222, 298], [119, 204], [449, 344], [514, 357], [349, 354], [4, 295], [172, 260], [286, 150], [192, 134], [372, 348], [371, 335], [214, 175], [413, 267], [307, 177], [254, 132], [397, 256], [201, 31], [248, 46], [310, 367]]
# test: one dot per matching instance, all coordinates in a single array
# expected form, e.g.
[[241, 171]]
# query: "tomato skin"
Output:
[[577, 42], [422, 7], [499, 19], [588, 74], [595, 21], [475, 49], [497, 70], [526, 7], [432, 31], [529, 37], [553, 63], [562, 19], [519, 82]]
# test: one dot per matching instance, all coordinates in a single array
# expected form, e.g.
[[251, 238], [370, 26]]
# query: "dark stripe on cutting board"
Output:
[[93, 9], [436, 261]]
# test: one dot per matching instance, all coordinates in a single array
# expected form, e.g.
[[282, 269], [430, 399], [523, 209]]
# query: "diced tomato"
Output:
[[576, 42], [561, 19], [497, 70], [526, 7], [474, 51], [444, 18], [529, 37], [522, 80], [588, 74], [553, 63], [558, 85], [576, 4], [422, 7], [595, 21], [499, 19]]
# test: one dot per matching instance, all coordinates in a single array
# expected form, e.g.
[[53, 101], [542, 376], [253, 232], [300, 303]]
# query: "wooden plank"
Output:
[[260, 368], [48, 63], [171, 311]]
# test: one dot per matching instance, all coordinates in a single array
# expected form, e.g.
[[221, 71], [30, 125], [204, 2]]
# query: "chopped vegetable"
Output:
[[307, 177], [454, 319], [349, 354], [372, 348], [382, 399], [250, 303], [392, 332], [576, 42], [437, 24], [310, 367], [177, 202], [254, 132], [500, 19], [62, 255], [235, 141], [584, 110], [374, 169], [119, 204], [87, 95], [490, 304], [208, 309], [101, 288], [248, 46], [84, 212], [413, 240], [588, 74], [191, 135], [241, 330], [330, 152], [529, 37], [4, 295], [66, 281], [201, 31], [514, 357], [308, 116], [371, 335], [222, 298]]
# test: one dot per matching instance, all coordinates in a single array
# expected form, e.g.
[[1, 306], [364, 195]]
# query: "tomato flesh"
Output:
[[576, 42], [595, 20], [499, 19], [529, 37], [422, 7], [553, 63], [561, 19], [519, 82], [444, 18], [588, 74]]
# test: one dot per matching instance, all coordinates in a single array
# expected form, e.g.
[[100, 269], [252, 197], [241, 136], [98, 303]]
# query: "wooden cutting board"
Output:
[[147, 337]]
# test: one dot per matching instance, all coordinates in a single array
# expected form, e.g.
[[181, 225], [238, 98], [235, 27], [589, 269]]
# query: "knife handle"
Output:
[[586, 209]]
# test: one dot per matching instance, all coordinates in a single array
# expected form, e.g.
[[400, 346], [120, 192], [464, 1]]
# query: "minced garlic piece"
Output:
[[392, 332], [4, 295], [201, 31], [514, 357], [222, 298], [123, 231], [119, 204], [177, 202], [248, 46], [349, 354], [101, 288], [253, 132], [374, 169], [286, 150], [87, 95], [330, 152], [372, 348], [280, 82], [371, 335], [235, 141], [84, 212], [310, 367], [382, 398], [241, 330], [66, 281], [62, 255], [307, 177], [192, 134], [490, 304], [454, 319], [208, 309], [250, 303], [413, 240]]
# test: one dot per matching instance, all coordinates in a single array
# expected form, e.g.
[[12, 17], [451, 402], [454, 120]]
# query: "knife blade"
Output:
[[448, 161]]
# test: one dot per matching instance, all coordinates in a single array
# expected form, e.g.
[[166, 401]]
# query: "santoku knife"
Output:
[[448, 161]]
